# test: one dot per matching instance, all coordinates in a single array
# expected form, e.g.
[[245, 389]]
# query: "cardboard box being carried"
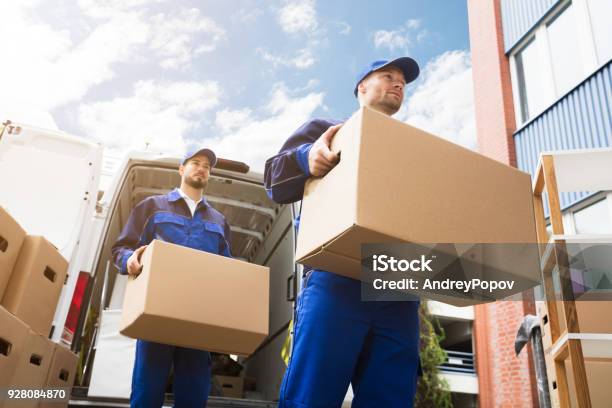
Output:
[[398, 184], [13, 337], [11, 238], [36, 283], [196, 299]]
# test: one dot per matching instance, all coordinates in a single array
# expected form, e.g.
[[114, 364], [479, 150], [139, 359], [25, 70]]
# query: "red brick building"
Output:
[[532, 61]]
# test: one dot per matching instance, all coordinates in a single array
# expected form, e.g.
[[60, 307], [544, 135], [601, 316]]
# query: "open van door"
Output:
[[49, 184]]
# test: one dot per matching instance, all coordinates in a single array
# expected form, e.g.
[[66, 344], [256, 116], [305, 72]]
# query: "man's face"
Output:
[[196, 171], [383, 90]]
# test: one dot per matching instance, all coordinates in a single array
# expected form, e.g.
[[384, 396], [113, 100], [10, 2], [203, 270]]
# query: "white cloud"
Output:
[[413, 23], [301, 60], [401, 38], [248, 15], [393, 40], [422, 35], [106, 9], [343, 27], [179, 38], [298, 15], [52, 65], [259, 138], [443, 103], [229, 120], [156, 116], [47, 68]]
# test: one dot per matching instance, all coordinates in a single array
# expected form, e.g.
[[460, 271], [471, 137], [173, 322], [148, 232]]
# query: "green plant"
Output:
[[432, 390]]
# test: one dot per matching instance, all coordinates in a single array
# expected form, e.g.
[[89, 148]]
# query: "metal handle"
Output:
[[291, 287]]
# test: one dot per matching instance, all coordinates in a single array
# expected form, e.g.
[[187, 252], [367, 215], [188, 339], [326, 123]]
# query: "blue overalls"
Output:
[[168, 218], [339, 339]]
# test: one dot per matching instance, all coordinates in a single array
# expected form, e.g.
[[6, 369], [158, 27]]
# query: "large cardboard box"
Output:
[[231, 387], [196, 299], [398, 184], [13, 337], [32, 367], [598, 372], [34, 362], [36, 283], [61, 373], [11, 238]]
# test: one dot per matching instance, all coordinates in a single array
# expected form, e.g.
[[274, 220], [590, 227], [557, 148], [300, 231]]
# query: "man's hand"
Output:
[[320, 158], [133, 263]]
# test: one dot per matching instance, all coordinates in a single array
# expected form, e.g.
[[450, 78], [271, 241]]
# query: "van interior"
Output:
[[261, 232]]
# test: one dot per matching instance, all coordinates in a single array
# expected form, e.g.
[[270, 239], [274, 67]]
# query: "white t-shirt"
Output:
[[190, 203]]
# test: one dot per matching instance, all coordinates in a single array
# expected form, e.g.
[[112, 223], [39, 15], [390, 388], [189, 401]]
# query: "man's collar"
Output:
[[174, 195], [177, 194]]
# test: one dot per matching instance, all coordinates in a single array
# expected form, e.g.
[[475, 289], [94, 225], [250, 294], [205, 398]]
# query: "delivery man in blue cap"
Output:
[[182, 217], [339, 339]]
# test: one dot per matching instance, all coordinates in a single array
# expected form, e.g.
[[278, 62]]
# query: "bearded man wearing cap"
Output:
[[182, 217], [338, 339]]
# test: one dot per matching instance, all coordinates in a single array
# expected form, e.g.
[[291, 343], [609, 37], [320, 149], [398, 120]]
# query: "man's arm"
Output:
[[302, 155], [226, 246], [131, 239]]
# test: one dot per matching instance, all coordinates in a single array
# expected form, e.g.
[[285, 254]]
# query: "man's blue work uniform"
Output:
[[168, 218], [338, 339]]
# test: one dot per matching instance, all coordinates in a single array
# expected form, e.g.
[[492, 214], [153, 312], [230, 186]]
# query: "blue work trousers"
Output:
[[151, 370], [338, 339]]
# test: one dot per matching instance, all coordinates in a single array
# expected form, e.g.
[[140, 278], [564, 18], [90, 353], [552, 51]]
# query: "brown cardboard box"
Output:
[[36, 283], [11, 238], [598, 372], [34, 362], [232, 387], [13, 337], [396, 183], [591, 318], [196, 299], [61, 373], [32, 367]]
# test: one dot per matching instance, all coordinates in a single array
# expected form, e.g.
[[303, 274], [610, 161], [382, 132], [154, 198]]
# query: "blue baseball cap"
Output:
[[212, 157], [407, 65]]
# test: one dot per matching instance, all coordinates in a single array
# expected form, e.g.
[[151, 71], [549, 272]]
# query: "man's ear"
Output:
[[181, 170], [361, 88]]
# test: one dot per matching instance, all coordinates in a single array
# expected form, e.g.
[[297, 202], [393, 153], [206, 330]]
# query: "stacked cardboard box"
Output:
[[11, 238], [32, 273], [598, 368], [232, 387], [13, 338], [35, 284], [62, 372]]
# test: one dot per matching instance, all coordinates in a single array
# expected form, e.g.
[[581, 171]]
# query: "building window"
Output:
[[594, 219], [565, 52], [529, 80], [568, 45], [600, 13]]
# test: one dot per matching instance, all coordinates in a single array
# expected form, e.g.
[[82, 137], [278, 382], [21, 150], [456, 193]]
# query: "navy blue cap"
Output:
[[407, 65], [212, 157]]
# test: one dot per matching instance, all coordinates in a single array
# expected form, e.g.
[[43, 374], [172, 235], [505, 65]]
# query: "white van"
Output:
[[50, 184]]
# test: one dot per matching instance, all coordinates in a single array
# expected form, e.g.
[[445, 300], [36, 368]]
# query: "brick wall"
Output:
[[504, 380]]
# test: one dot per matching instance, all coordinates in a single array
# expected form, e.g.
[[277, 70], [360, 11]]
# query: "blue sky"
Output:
[[237, 75]]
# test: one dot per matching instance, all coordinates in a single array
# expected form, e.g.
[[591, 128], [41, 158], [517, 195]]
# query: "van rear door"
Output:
[[49, 185]]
